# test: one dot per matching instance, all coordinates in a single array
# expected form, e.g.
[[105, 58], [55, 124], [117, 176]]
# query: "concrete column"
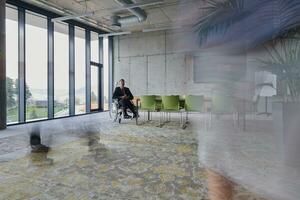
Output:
[[2, 67]]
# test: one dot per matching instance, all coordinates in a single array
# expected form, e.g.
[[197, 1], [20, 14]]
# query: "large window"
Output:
[[95, 71], [29, 63], [61, 70], [80, 91], [94, 47], [36, 66], [94, 87], [12, 64], [106, 72]]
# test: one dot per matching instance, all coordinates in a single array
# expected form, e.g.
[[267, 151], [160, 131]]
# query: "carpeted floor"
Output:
[[93, 158]]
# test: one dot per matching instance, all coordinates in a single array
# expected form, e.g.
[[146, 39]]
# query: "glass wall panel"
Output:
[[105, 73], [94, 47], [36, 66], [94, 87], [80, 90], [12, 64], [61, 70]]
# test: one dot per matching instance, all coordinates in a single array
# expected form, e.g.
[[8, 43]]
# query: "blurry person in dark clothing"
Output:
[[124, 97], [35, 141]]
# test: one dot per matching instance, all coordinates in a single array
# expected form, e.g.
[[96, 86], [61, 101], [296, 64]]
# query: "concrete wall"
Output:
[[163, 63], [158, 63]]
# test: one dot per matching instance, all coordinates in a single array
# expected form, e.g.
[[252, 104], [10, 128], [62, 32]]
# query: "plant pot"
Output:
[[286, 116]]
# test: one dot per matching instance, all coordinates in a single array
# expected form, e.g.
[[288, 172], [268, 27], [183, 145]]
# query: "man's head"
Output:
[[122, 83]]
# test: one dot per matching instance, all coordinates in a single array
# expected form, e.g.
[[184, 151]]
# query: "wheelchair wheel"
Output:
[[113, 112]]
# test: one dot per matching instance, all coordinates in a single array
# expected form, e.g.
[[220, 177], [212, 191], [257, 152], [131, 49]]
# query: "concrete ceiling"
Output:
[[172, 13]]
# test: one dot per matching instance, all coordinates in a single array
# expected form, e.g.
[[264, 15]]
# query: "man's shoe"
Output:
[[40, 148], [135, 116], [127, 116]]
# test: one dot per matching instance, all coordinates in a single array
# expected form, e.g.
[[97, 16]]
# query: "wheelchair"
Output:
[[116, 112]]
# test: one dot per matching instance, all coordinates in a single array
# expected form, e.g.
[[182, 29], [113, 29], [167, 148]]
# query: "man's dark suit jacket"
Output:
[[118, 93]]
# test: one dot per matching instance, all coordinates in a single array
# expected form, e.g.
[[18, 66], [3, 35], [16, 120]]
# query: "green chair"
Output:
[[223, 105], [148, 103], [171, 104], [193, 103]]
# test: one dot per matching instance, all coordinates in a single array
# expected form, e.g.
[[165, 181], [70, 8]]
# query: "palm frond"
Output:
[[219, 16], [284, 61], [256, 16]]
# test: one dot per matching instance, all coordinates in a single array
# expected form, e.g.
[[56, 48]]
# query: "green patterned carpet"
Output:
[[111, 161]]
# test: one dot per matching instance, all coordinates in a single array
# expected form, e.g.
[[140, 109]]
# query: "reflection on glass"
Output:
[[61, 70], [79, 71], [12, 64], [94, 88], [36, 67], [94, 47], [105, 73]]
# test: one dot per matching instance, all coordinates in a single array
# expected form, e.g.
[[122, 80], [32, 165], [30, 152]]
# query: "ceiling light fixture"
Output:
[[161, 29], [64, 18], [115, 34]]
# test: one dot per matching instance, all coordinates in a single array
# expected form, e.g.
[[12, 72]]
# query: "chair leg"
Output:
[[166, 117], [187, 117], [137, 115], [160, 119], [181, 118], [148, 115], [210, 121], [160, 124], [204, 121], [182, 124]]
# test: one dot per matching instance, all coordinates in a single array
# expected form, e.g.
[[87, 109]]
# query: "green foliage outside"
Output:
[[32, 111]]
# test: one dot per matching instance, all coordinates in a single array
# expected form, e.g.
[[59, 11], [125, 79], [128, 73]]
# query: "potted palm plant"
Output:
[[284, 62]]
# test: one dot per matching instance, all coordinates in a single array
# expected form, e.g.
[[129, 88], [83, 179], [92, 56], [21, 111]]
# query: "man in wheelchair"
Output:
[[124, 97]]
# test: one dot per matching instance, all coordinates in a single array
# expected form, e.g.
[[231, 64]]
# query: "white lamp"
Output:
[[265, 87]]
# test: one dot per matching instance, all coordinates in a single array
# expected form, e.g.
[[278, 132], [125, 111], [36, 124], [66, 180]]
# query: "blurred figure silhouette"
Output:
[[93, 140], [40, 159], [219, 187], [39, 151], [91, 136], [35, 142]]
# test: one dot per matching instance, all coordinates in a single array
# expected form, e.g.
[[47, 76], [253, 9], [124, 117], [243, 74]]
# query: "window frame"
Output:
[[24, 7], [98, 64]]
